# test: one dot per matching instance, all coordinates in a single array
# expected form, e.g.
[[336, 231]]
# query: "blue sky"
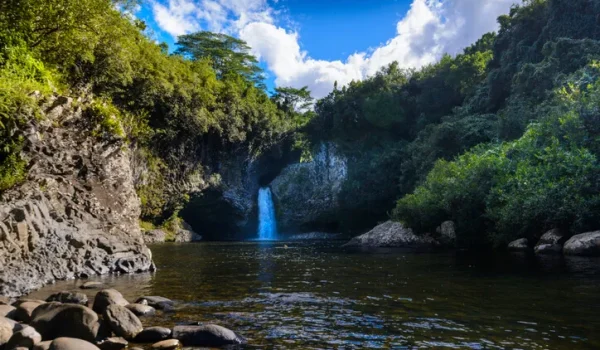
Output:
[[317, 42]]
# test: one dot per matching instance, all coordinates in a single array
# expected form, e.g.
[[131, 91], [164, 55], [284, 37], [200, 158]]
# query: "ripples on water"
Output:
[[318, 296]]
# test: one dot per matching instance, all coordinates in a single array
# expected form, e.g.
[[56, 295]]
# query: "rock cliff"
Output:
[[76, 215]]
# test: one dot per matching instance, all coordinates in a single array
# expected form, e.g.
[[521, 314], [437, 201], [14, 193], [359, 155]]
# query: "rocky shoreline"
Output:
[[65, 321]]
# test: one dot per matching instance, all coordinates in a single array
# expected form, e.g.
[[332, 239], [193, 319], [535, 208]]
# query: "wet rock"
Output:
[[447, 233], [392, 234], [25, 309], [114, 343], [166, 344], [123, 322], [153, 334], [519, 245], [92, 285], [107, 297], [155, 236], [157, 302], [7, 311], [72, 344], [45, 345], [69, 298], [55, 320], [26, 337], [141, 309], [551, 242], [585, 244], [206, 335]]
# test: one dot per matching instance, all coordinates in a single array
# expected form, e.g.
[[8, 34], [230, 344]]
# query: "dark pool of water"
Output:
[[319, 296]]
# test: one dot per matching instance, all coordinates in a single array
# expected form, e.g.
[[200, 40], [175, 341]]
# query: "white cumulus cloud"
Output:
[[429, 29]]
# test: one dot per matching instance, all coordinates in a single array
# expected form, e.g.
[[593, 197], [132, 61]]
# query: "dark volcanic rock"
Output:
[[153, 334], [123, 322], [392, 234], [206, 335], [77, 213], [72, 344], [107, 297], [54, 320], [69, 298], [586, 244]]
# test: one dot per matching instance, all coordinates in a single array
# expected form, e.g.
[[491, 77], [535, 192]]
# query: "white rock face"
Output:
[[306, 194]]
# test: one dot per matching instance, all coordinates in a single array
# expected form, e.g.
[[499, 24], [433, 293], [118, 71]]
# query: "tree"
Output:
[[295, 102], [227, 54]]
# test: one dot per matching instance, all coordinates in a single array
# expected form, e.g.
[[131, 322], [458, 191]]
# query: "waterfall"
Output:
[[267, 224]]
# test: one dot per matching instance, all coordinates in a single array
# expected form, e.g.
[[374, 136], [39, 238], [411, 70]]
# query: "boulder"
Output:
[[157, 302], [69, 298], [141, 309], [92, 285], [153, 334], [25, 309], [155, 236], [519, 245], [185, 234], [447, 233], [45, 345], [123, 322], [72, 344], [551, 242], [114, 343], [26, 337], [206, 335], [107, 297], [586, 244], [392, 234], [5, 300], [7, 328], [166, 344], [55, 320], [7, 311]]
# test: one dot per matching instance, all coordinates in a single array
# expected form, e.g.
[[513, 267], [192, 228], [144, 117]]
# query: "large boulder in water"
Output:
[[392, 234], [54, 320], [551, 242], [210, 335], [587, 244]]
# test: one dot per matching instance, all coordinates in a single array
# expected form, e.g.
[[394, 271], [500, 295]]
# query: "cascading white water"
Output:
[[267, 224]]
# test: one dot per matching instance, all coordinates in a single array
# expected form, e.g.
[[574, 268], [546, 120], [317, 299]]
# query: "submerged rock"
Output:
[[92, 285], [551, 242], [519, 245], [586, 244], [392, 234], [156, 302], [207, 335]]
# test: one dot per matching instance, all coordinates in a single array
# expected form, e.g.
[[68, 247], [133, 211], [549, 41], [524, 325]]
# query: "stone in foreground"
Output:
[[114, 343], [72, 344], [392, 234], [27, 338], [7, 311], [45, 345], [123, 322], [107, 297], [166, 344], [206, 335], [586, 244], [24, 310], [153, 335], [55, 320]]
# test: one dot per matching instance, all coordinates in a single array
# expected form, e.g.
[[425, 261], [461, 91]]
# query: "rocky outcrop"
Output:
[[587, 244], [186, 234], [392, 234], [155, 236], [551, 242], [306, 194], [77, 213]]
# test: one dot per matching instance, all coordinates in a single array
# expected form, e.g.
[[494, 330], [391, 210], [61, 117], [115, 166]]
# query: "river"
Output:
[[315, 295]]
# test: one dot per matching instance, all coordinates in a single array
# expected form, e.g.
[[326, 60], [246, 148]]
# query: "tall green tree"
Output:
[[297, 103]]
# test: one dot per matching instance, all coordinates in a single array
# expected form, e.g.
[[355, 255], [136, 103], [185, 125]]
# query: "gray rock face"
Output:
[[55, 320], [107, 297], [206, 335], [153, 335], [72, 344], [306, 194], [69, 298], [123, 322], [77, 213], [519, 245], [586, 244], [155, 236], [392, 234], [141, 310], [551, 242]]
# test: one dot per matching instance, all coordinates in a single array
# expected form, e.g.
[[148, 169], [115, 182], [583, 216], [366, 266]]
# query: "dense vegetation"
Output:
[[181, 112], [522, 104]]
